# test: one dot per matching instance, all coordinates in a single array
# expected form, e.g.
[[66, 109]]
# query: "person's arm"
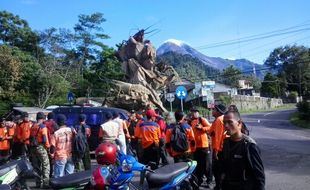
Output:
[[257, 166], [205, 125], [191, 138], [53, 145], [44, 137], [100, 134], [167, 141]]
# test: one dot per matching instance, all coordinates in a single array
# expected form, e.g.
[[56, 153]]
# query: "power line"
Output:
[[253, 39], [257, 35]]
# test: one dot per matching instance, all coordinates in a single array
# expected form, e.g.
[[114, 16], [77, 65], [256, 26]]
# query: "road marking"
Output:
[[269, 113]]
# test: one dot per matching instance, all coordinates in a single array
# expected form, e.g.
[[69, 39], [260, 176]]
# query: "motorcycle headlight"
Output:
[[126, 166]]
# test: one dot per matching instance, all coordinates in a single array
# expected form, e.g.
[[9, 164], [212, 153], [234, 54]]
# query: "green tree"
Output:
[[15, 31], [292, 64], [10, 73], [231, 76], [270, 86]]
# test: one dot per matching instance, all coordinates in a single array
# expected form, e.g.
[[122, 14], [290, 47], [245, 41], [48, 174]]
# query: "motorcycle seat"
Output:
[[165, 174], [8, 167], [73, 180]]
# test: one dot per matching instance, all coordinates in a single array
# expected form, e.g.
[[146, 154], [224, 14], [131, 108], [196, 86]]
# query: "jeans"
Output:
[[63, 167]]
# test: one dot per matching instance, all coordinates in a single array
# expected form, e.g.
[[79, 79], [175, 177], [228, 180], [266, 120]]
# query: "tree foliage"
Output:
[[231, 76], [40, 68], [292, 65]]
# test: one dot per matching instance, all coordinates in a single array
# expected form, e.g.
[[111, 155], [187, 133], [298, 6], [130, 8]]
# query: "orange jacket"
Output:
[[4, 134], [217, 133], [40, 132], [149, 133], [23, 132], [190, 137], [137, 129], [201, 136]]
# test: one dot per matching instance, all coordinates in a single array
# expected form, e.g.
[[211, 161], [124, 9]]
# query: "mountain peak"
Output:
[[175, 41]]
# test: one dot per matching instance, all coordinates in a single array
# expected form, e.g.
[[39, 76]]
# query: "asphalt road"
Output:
[[285, 149]]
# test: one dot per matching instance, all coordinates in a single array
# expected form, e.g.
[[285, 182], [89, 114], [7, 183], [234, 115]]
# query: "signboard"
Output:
[[181, 92], [70, 97], [170, 97]]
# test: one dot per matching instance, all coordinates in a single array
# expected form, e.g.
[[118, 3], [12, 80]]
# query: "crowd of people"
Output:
[[223, 149]]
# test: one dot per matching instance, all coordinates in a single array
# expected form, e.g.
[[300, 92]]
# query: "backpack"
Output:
[[178, 139], [33, 141], [79, 143]]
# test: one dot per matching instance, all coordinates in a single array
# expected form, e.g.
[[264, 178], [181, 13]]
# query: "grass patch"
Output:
[[283, 107], [294, 119]]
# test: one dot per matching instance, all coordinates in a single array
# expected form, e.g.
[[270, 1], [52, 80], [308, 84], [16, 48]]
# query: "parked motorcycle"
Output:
[[75, 181], [15, 173], [172, 176]]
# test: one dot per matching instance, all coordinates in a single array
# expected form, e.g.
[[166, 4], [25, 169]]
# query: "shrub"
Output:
[[304, 110]]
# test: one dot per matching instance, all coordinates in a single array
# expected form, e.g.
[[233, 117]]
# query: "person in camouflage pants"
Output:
[[39, 146]]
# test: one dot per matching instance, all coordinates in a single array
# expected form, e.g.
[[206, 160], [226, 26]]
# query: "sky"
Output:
[[199, 23]]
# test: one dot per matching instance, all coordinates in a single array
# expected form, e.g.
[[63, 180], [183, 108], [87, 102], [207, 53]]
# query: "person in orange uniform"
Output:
[[139, 148], [5, 136], [149, 132], [180, 156], [202, 153], [23, 134], [217, 132], [39, 146]]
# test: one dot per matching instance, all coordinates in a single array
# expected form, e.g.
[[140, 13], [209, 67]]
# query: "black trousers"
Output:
[[163, 152], [201, 156], [151, 154], [183, 157]]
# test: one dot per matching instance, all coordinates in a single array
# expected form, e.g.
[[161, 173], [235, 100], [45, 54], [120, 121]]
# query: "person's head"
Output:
[[108, 116], [82, 118], [50, 115], [25, 116], [40, 116], [233, 108], [158, 112], [61, 120], [115, 114], [179, 116], [195, 113], [233, 123], [106, 153], [2, 120], [18, 119], [218, 110], [139, 114], [151, 115]]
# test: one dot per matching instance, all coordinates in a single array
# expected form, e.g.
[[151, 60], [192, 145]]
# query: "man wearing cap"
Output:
[[61, 148], [22, 134], [150, 133], [217, 133], [202, 153], [85, 129], [39, 151]]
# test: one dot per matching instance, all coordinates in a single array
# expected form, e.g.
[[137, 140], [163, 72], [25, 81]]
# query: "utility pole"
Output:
[[299, 67]]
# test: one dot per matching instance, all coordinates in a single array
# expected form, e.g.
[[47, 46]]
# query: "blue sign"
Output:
[[70, 97], [181, 92]]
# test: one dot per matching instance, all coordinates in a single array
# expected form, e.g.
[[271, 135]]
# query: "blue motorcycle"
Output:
[[172, 176]]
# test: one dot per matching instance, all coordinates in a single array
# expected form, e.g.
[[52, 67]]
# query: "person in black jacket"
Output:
[[241, 165]]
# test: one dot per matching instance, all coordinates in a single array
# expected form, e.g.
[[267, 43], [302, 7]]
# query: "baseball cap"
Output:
[[220, 108]]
